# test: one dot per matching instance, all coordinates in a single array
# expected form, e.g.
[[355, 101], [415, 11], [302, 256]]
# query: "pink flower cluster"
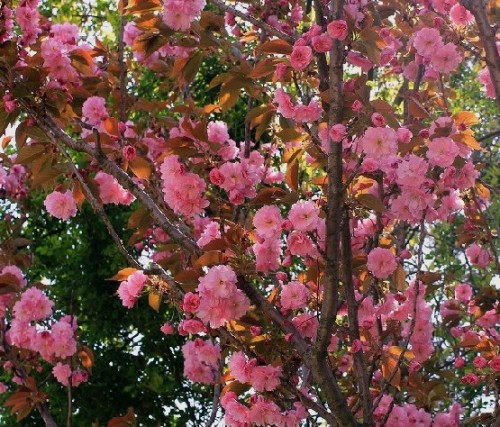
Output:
[[302, 54], [13, 180], [219, 298], [444, 58], [130, 290], [63, 373], [110, 191], [300, 113], [182, 190], [201, 361], [61, 205], [6, 23], [260, 377], [28, 18], [240, 179], [55, 53], [409, 414], [262, 412], [178, 14], [94, 111], [478, 255]]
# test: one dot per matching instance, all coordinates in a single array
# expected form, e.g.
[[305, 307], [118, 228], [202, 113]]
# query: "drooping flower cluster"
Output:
[[110, 191], [219, 298], [260, 377], [262, 412], [201, 361], [130, 290], [182, 190], [32, 329], [300, 113]]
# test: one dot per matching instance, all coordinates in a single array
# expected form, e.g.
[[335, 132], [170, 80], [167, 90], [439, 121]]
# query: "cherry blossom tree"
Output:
[[300, 256]]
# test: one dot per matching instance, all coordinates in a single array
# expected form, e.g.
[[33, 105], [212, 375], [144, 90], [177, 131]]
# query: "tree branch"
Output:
[[50, 127], [258, 23], [352, 313], [488, 38]]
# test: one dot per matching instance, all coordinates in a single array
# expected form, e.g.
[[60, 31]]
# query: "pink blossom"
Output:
[[460, 15], [65, 33], [265, 378], [167, 329], [130, 290], [484, 78], [479, 362], [337, 132], [442, 152], [62, 373], [63, 339], [220, 300], [33, 305], [191, 302], [94, 110], [267, 255], [201, 361], [301, 57], [459, 362], [490, 319], [463, 292], [300, 113], [322, 43], [267, 222], [131, 32], [191, 327], [217, 132], [378, 120], [300, 244], [446, 58], [337, 29], [211, 232], [404, 135], [411, 171], [379, 143], [477, 255], [110, 191], [79, 376], [381, 262], [129, 152], [427, 41], [470, 379], [61, 205], [293, 296], [304, 215], [307, 325], [359, 60], [495, 363], [178, 14]]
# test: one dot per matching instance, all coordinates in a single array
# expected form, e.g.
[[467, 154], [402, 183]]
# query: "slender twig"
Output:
[[123, 67], [489, 135], [257, 22]]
